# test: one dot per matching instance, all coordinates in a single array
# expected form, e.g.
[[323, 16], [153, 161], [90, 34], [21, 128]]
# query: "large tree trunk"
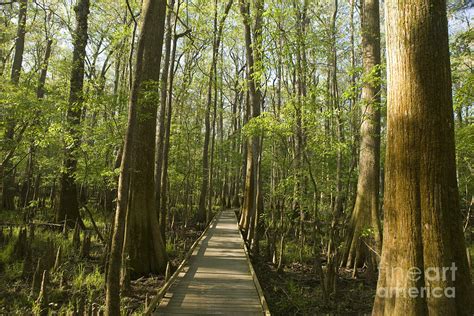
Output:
[[148, 254], [365, 213], [166, 148], [300, 89], [422, 222], [257, 226], [68, 201], [162, 124], [249, 216], [136, 182], [8, 179]]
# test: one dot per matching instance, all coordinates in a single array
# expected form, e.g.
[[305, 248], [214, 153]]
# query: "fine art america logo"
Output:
[[436, 282]]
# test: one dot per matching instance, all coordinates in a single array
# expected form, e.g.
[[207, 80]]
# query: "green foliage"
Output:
[[465, 159], [299, 176], [87, 281], [367, 232], [170, 249], [6, 253], [266, 124]]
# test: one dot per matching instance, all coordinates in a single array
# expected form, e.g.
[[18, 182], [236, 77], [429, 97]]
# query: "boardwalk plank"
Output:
[[217, 280]]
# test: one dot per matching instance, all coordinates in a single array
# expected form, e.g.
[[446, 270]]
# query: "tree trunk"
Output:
[[19, 42], [27, 192], [8, 179], [422, 224], [136, 182], [333, 243], [44, 70], [365, 213], [68, 200], [147, 255], [166, 147], [300, 82], [218, 28], [253, 56], [160, 137]]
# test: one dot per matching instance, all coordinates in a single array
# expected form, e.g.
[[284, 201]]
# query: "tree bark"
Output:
[[68, 200], [160, 137], [8, 179], [148, 253], [333, 243], [249, 216], [365, 213], [422, 219], [19, 42], [136, 183], [166, 148], [27, 192], [44, 70]]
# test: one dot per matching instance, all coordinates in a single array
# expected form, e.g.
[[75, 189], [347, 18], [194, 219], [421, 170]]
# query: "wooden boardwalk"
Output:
[[217, 279]]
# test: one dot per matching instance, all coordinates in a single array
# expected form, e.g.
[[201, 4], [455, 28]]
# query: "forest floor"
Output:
[[296, 290], [78, 283]]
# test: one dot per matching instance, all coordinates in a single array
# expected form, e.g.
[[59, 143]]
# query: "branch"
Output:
[[93, 223], [16, 165], [177, 36], [12, 151], [66, 23], [131, 12]]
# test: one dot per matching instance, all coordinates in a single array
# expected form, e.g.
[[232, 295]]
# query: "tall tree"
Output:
[[365, 213], [335, 107], [8, 179], [136, 193], [166, 148], [143, 241], [68, 200], [249, 218], [27, 192], [161, 130], [422, 219], [301, 90], [19, 42], [218, 28]]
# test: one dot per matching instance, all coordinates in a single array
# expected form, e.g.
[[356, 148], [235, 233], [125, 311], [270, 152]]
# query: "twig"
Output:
[[372, 249]]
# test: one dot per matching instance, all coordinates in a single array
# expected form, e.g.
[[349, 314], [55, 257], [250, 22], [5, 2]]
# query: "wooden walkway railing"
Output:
[[217, 279]]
